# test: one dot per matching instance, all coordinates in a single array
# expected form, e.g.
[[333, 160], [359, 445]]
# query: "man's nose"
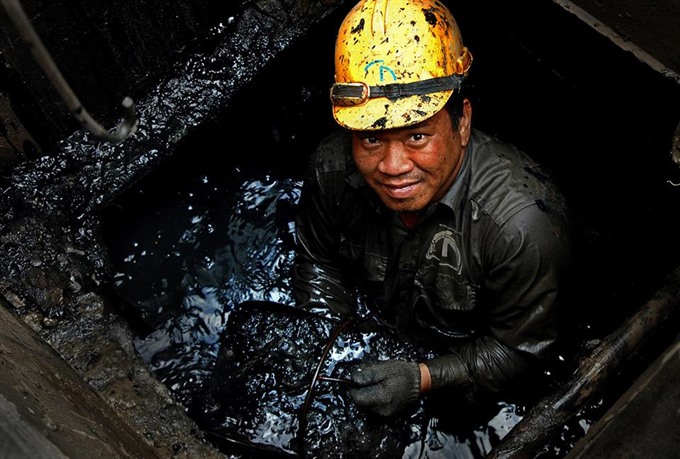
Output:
[[395, 160]]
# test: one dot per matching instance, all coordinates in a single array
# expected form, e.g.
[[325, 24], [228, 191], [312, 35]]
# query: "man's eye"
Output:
[[417, 137], [370, 140]]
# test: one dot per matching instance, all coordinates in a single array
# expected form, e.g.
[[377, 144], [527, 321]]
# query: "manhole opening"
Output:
[[213, 226]]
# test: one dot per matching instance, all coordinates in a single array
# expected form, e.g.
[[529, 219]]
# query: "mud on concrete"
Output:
[[47, 410], [72, 383]]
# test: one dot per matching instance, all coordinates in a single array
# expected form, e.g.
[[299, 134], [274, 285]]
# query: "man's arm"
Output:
[[318, 282], [528, 267]]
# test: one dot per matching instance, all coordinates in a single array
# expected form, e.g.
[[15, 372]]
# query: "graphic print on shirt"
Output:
[[447, 298], [444, 249]]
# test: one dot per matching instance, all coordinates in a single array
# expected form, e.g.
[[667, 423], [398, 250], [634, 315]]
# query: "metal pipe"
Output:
[[125, 129], [546, 419]]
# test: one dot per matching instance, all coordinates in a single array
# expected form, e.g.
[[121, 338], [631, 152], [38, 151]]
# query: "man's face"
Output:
[[412, 167]]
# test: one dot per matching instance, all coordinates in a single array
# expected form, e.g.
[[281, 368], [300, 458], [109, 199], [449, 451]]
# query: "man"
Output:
[[451, 236]]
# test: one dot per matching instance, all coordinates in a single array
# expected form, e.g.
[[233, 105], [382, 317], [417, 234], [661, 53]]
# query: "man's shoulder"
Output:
[[505, 179], [334, 152], [490, 152]]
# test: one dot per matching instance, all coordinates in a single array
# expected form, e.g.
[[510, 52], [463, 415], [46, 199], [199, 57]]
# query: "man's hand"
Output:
[[386, 387]]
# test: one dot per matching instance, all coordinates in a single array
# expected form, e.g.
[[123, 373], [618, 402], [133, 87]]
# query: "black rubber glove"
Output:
[[386, 388]]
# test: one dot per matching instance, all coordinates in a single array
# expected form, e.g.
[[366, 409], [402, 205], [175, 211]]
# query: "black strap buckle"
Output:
[[350, 94]]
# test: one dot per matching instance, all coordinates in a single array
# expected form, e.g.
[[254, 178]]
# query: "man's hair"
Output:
[[455, 108], [455, 103]]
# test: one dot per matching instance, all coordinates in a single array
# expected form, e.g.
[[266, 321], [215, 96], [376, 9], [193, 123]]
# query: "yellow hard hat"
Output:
[[397, 62]]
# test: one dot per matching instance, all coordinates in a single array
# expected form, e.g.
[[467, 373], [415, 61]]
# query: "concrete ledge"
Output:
[[644, 421], [47, 410]]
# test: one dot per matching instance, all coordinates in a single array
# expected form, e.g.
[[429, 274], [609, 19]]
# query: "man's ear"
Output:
[[465, 123]]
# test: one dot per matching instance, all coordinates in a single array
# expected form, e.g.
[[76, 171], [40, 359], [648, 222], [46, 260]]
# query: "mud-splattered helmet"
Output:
[[397, 62]]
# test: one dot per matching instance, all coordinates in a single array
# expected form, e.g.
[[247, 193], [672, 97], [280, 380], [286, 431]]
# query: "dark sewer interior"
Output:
[[212, 227]]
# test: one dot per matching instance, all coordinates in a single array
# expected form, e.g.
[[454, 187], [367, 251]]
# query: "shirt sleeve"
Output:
[[319, 283], [528, 259]]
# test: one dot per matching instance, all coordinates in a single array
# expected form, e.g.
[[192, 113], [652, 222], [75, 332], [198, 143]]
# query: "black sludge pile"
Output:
[[280, 386]]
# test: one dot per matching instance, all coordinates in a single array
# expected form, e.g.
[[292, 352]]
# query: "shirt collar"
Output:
[[453, 197]]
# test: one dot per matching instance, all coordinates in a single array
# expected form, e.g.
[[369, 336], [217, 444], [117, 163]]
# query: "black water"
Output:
[[212, 227], [270, 389], [208, 247]]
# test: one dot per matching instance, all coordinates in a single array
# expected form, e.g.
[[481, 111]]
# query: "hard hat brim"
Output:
[[383, 113]]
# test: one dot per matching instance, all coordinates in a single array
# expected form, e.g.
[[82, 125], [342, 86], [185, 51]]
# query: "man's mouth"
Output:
[[401, 191]]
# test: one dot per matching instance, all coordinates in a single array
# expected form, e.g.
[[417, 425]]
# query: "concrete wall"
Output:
[[650, 25], [47, 409]]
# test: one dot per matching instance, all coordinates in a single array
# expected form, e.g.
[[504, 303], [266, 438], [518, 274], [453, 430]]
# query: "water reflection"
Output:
[[216, 258], [442, 444]]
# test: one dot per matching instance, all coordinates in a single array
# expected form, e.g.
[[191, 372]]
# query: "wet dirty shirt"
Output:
[[477, 277]]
